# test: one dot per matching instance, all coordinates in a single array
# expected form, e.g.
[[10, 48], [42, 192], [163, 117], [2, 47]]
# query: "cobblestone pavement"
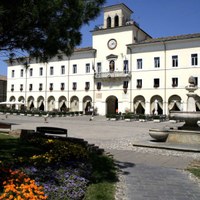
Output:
[[146, 174]]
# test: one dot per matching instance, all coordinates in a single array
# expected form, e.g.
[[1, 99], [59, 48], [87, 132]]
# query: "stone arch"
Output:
[[51, 103], [62, 102], [22, 100], [111, 105], [40, 103], [74, 103], [116, 21], [30, 103], [87, 104], [108, 22], [139, 104], [174, 103], [156, 103], [13, 99]]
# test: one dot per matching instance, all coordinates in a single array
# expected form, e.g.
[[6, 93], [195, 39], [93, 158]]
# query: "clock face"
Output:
[[112, 43]]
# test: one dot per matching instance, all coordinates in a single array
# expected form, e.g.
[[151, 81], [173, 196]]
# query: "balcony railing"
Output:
[[109, 75]]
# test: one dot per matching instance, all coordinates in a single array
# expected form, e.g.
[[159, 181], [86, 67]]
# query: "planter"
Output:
[[159, 135]]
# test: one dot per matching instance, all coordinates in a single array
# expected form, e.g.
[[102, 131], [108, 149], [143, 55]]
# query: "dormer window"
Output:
[[109, 22], [116, 21], [112, 66]]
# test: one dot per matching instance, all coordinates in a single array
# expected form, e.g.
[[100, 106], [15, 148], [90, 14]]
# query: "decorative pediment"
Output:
[[111, 56]]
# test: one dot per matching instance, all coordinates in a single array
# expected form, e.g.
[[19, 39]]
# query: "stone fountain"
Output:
[[189, 133]]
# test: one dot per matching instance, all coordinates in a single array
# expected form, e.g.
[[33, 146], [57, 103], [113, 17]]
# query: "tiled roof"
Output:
[[83, 49], [169, 38]]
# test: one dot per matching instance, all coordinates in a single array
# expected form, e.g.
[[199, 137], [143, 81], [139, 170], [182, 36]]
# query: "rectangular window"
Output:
[[13, 73], [31, 72], [98, 67], [194, 59], [87, 68], [41, 71], [125, 84], [62, 69], [12, 87], [196, 81], [156, 62], [87, 85], [139, 63], [30, 87], [62, 86], [156, 82], [74, 69], [126, 70], [74, 86], [21, 73], [174, 61], [51, 86], [139, 83], [174, 82], [40, 87], [98, 85], [21, 87], [51, 70]]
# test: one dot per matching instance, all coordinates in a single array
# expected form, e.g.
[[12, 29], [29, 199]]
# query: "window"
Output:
[[41, 71], [74, 86], [139, 63], [174, 61], [156, 62], [112, 66], [98, 67], [174, 82], [87, 68], [51, 86], [125, 84], [62, 69], [139, 83], [156, 82], [87, 85], [40, 87], [116, 20], [21, 73], [12, 87], [108, 22], [51, 70], [74, 69], [194, 59], [196, 81], [21, 87], [30, 87], [62, 86], [13, 73], [98, 85], [31, 72], [126, 67]]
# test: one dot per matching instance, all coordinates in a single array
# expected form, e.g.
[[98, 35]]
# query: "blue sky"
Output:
[[159, 18]]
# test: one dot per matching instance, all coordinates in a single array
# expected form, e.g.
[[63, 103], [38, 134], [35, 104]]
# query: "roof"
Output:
[[117, 5], [3, 78], [169, 38], [84, 49]]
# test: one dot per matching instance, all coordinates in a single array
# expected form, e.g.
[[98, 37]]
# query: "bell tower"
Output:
[[116, 15]]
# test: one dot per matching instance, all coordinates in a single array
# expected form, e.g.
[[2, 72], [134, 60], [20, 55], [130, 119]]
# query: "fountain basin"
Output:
[[190, 118]]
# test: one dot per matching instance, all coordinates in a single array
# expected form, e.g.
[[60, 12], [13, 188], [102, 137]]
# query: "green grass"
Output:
[[195, 171]]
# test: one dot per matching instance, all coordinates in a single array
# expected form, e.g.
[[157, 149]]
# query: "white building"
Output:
[[124, 70]]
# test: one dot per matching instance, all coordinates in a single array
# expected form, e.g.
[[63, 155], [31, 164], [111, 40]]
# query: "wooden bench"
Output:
[[52, 131]]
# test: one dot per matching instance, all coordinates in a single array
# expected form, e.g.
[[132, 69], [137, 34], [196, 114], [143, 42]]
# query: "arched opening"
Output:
[[156, 105], [51, 103], [87, 105], [74, 103], [139, 105], [174, 103], [63, 104], [40, 103], [12, 99], [22, 100], [31, 105], [111, 105], [116, 21], [109, 22], [112, 66]]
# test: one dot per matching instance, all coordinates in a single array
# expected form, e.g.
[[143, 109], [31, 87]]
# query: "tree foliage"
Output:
[[43, 28]]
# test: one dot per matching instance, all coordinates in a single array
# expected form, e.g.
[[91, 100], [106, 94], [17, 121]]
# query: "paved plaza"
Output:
[[145, 173]]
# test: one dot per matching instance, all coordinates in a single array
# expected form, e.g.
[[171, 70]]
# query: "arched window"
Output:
[[109, 22], [112, 66], [116, 20]]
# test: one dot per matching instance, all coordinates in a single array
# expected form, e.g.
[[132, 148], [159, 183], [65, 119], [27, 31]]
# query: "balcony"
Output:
[[112, 75]]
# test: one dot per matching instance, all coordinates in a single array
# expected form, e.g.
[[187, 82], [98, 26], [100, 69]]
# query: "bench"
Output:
[[52, 131]]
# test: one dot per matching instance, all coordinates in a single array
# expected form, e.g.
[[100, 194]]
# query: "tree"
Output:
[[44, 28]]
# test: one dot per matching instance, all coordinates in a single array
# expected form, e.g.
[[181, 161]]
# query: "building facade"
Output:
[[3, 86], [125, 70]]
